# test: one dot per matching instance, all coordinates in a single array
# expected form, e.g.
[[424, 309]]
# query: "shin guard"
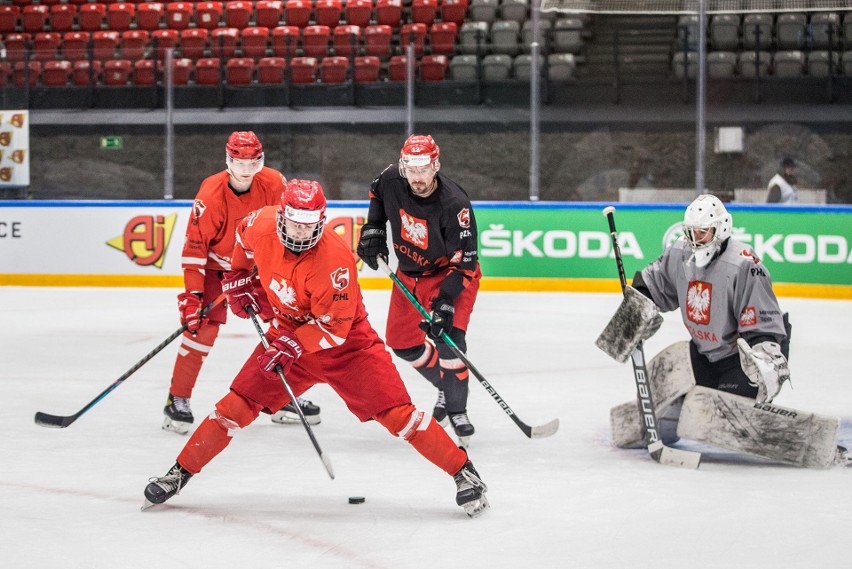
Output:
[[425, 435]]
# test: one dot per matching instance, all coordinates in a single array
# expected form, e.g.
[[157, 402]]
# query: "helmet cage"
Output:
[[301, 215]]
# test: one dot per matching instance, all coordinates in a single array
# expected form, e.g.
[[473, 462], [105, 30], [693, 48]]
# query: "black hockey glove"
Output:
[[373, 242], [442, 318]]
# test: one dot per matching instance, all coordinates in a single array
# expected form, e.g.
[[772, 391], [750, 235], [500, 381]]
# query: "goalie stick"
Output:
[[60, 421], [538, 432], [325, 460], [659, 452]]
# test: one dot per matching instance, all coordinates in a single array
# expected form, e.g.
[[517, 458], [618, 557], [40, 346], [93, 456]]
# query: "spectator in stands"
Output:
[[782, 187]]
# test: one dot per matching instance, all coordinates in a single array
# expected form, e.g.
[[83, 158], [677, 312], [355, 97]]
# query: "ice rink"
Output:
[[71, 497]]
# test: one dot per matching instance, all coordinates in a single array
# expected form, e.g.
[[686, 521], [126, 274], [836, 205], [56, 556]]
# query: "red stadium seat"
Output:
[[377, 40], [149, 15], [133, 44], [207, 71], [164, 39], [62, 17], [75, 45], [334, 69], [117, 72], [442, 38], [282, 36], [254, 41], [78, 2], [143, 72], [21, 69], [268, 13], [303, 70], [9, 18], [45, 45], [193, 42], [181, 70], [315, 41], [434, 67], [5, 72], [91, 17], [17, 46], [297, 12], [104, 44], [208, 15], [239, 71], [224, 41], [424, 11], [328, 12], [346, 40], [359, 12], [179, 15], [34, 18], [50, 2], [83, 73], [367, 69], [270, 70], [397, 70], [389, 12], [119, 18], [454, 11], [413, 33], [238, 13], [56, 73]]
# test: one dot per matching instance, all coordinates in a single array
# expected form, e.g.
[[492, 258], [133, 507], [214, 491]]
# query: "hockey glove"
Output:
[[442, 318], [765, 366], [373, 242], [282, 352], [238, 286], [189, 304]]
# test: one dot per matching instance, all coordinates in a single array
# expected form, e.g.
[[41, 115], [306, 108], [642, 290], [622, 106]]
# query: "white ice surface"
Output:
[[70, 497]]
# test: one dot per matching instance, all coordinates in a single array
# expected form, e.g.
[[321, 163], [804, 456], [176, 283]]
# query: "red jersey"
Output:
[[213, 221], [315, 293]]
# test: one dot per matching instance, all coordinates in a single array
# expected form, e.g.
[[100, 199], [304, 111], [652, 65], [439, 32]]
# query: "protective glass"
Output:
[[417, 167], [243, 167]]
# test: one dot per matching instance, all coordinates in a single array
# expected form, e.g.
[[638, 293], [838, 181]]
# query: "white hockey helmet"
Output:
[[706, 225]]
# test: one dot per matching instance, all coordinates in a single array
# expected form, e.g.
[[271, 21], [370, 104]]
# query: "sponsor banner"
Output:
[[14, 148]]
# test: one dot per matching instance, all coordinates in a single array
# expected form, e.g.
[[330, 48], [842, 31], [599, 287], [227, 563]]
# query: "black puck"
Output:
[[357, 499]]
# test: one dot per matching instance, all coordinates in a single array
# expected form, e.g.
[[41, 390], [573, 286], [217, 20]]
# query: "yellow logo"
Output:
[[146, 239]]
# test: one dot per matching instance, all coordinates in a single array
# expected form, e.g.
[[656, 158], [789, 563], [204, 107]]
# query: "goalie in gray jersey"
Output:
[[735, 362]]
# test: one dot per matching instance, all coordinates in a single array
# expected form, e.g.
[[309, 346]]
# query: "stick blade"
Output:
[[52, 421], [544, 431]]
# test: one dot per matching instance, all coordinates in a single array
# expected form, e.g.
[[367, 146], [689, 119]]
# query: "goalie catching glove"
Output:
[[636, 320], [765, 366], [282, 352]]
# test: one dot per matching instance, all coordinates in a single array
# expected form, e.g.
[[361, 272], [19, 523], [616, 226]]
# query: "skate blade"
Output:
[[476, 508], [148, 504], [178, 427], [284, 418], [464, 442], [445, 422]]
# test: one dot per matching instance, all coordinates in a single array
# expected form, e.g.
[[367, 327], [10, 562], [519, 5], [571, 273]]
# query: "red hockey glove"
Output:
[[238, 286], [282, 352], [189, 304]]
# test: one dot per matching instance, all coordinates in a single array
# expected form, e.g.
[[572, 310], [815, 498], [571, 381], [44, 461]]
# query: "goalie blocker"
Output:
[[725, 420]]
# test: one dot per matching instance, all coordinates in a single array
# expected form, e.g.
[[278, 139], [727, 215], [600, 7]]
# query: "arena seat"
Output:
[[34, 18], [45, 45], [561, 66], [514, 10], [359, 12], [193, 42], [751, 24], [62, 17], [182, 69], [91, 17], [282, 36], [165, 39], [208, 15], [389, 13], [464, 68], [117, 72], [268, 13], [820, 25], [721, 64], [497, 66], [397, 68], [315, 41], [334, 69], [424, 11], [846, 63], [238, 14], [413, 33], [85, 73], [303, 70], [119, 18], [691, 59], [442, 38], [104, 44], [434, 67], [724, 32], [328, 12], [179, 15], [17, 46], [504, 37], [20, 73], [239, 71], [255, 39], [224, 41], [522, 66], [471, 35], [454, 11], [367, 69], [483, 10], [790, 31], [270, 70], [9, 18], [75, 45], [133, 44], [208, 71], [789, 63], [298, 13], [346, 40], [818, 63], [567, 35], [525, 44], [149, 15], [749, 64], [143, 72], [377, 40]]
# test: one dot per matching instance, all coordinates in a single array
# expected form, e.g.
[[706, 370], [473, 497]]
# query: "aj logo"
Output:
[[145, 239]]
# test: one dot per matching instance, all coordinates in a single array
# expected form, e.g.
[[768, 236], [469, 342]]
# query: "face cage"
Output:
[[292, 244], [242, 167], [688, 232]]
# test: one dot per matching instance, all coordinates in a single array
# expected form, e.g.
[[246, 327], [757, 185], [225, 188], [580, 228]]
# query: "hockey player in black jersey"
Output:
[[433, 231]]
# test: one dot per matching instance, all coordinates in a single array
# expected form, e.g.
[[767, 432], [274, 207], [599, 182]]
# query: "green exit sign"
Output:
[[112, 142]]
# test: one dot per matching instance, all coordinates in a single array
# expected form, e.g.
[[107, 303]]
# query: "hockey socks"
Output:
[[424, 359], [425, 435], [191, 355]]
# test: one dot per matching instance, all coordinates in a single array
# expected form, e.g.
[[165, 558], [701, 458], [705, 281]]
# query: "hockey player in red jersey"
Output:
[[223, 199], [433, 230], [318, 333]]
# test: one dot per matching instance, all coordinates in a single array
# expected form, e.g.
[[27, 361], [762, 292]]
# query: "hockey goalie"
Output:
[[717, 388]]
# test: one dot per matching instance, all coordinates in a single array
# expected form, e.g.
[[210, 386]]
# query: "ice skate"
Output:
[[841, 457], [178, 415], [462, 426], [288, 414], [470, 491], [161, 489], [440, 410]]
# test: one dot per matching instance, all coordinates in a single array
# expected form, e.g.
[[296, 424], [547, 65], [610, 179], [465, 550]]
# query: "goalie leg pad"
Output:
[[736, 423], [636, 319], [670, 374]]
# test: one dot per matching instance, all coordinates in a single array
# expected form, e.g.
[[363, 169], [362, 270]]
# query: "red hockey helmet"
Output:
[[301, 217], [419, 150], [244, 153]]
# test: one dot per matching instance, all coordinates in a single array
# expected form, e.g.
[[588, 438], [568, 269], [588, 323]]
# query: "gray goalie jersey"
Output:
[[730, 297]]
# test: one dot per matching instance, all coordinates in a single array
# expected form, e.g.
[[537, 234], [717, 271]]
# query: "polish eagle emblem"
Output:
[[698, 302], [285, 293], [414, 230]]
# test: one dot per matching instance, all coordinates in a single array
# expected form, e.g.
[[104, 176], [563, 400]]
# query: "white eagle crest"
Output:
[[698, 302], [285, 293], [416, 231]]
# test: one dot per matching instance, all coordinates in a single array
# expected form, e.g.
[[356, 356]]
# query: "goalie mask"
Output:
[[418, 163], [301, 215], [706, 225], [243, 154]]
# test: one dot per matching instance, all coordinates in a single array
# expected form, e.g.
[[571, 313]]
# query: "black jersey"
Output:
[[429, 234]]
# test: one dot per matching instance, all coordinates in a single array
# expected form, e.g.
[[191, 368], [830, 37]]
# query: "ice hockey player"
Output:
[[318, 333], [718, 387], [222, 200], [435, 240]]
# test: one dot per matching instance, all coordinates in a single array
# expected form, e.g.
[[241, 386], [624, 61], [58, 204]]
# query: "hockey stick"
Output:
[[659, 452], [325, 460], [538, 432], [59, 421]]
